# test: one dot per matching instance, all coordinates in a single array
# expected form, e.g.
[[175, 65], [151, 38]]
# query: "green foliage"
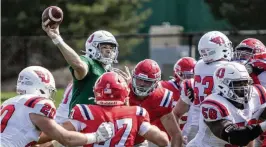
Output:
[[58, 98], [241, 14]]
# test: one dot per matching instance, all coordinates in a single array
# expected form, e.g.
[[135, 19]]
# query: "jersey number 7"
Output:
[[122, 124]]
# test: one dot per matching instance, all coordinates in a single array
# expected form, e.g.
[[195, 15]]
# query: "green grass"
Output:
[[58, 97]]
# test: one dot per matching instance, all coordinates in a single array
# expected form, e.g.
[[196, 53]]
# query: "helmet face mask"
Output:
[[102, 46], [184, 69], [247, 49], [233, 82], [143, 86], [243, 56], [239, 90], [185, 75], [146, 76]]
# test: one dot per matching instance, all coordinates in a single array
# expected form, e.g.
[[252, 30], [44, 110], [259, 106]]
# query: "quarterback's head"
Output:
[[102, 46], [146, 76], [214, 46], [247, 49], [184, 69], [36, 80], [111, 89], [233, 82]]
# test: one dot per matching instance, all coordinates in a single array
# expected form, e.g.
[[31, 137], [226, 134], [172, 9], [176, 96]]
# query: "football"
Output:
[[52, 16]]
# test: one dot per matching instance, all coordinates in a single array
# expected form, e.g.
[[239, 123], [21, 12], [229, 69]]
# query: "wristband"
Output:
[[57, 40], [91, 138]]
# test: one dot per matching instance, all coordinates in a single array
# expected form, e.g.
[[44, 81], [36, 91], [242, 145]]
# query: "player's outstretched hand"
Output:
[[126, 75], [105, 131], [52, 33]]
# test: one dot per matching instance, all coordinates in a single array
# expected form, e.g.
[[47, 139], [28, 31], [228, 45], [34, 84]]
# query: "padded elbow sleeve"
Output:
[[240, 135]]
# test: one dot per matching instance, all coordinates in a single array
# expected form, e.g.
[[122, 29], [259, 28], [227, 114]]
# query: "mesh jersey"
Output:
[[203, 86], [128, 121], [83, 89], [216, 107], [259, 73], [157, 104], [259, 77], [63, 108], [176, 89], [17, 129]]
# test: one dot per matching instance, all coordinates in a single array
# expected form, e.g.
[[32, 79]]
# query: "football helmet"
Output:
[[95, 51], [145, 77], [184, 69], [36, 80], [247, 49], [233, 82], [111, 89], [214, 46]]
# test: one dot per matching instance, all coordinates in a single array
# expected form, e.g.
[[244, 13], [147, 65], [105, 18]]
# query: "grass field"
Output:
[[58, 98]]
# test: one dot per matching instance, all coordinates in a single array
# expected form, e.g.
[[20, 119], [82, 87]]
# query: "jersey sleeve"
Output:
[[165, 101], [259, 100], [144, 119], [212, 110], [79, 114], [41, 106], [84, 59], [185, 86]]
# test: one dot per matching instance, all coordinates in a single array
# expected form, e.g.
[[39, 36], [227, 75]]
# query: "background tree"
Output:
[[241, 14], [22, 35]]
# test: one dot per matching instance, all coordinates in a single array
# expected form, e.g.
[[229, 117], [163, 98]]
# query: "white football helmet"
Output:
[[36, 80], [233, 82], [214, 46], [93, 43]]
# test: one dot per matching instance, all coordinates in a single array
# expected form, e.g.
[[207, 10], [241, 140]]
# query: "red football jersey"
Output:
[[157, 104], [172, 86], [128, 121]]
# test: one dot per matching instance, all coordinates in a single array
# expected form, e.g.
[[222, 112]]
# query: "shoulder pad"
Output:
[[213, 110]]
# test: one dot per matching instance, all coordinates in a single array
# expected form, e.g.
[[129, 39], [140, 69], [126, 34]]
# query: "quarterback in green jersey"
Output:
[[101, 52]]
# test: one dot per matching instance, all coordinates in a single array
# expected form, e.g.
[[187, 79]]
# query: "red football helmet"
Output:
[[247, 49], [184, 69], [146, 76], [111, 89]]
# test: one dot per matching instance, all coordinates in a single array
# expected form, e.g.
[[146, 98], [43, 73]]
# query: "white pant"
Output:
[[191, 132]]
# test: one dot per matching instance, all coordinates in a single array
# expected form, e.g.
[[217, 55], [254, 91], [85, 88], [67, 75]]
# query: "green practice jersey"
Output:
[[83, 89]]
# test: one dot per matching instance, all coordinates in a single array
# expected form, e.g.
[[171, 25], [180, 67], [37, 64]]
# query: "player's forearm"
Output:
[[70, 56], [172, 127]]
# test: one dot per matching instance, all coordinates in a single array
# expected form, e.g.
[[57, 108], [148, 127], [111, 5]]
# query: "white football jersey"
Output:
[[17, 130], [63, 109], [184, 98], [203, 86], [260, 78], [216, 107]]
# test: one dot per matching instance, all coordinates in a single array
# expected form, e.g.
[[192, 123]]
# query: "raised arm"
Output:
[[80, 68]]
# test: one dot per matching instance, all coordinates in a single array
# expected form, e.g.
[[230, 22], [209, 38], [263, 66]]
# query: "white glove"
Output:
[[104, 132]]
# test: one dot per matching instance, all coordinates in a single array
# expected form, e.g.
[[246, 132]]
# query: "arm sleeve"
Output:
[[144, 120], [41, 106]]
